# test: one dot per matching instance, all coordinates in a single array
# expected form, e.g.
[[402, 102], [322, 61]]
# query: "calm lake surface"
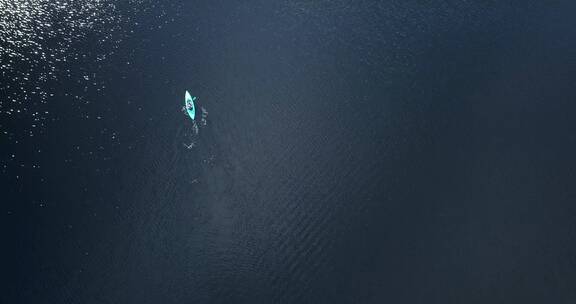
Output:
[[353, 152]]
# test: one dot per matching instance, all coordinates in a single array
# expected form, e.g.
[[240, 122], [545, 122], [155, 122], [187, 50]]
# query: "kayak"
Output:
[[189, 105]]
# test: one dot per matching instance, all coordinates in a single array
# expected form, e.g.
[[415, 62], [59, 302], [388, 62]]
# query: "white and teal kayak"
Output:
[[189, 105]]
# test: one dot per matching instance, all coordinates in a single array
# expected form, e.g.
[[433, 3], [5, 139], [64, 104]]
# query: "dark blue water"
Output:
[[354, 153]]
